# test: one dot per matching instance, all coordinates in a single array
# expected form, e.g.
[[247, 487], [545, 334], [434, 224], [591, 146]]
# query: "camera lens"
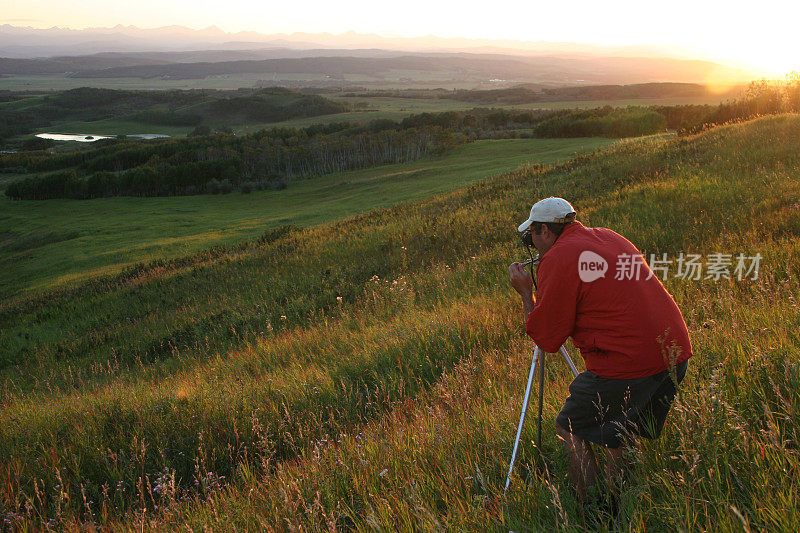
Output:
[[527, 238]]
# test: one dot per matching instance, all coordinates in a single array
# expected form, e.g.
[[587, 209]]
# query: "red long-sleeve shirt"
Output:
[[625, 325]]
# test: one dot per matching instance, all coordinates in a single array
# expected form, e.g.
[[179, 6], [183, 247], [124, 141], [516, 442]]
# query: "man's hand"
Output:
[[522, 282], [521, 279]]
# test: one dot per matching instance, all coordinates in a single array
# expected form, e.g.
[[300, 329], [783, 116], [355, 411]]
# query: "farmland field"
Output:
[[367, 373], [56, 241], [58, 82]]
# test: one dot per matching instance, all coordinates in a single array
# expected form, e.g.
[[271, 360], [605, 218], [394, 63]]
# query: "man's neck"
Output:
[[566, 228]]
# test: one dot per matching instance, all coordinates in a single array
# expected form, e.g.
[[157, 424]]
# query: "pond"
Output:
[[88, 138]]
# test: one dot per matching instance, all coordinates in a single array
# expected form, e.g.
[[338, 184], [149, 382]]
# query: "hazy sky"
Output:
[[762, 33]]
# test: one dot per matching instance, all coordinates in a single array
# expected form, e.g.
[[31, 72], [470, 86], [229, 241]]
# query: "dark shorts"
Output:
[[605, 411]]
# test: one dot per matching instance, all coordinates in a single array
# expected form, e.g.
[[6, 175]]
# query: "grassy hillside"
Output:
[[368, 373], [52, 242]]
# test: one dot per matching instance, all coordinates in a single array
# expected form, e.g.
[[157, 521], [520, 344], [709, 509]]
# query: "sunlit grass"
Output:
[[368, 374]]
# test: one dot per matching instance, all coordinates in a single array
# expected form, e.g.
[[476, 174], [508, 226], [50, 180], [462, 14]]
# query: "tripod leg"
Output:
[[536, 354], [541, 401], [572, 366]]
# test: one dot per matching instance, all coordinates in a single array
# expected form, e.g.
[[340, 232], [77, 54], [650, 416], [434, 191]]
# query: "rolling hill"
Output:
[[368, 373]]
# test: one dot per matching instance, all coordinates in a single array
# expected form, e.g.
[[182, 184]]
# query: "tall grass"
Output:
[[368, 374]]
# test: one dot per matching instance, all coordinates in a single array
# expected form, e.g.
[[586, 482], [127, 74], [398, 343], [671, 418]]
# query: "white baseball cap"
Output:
[[550, 209]]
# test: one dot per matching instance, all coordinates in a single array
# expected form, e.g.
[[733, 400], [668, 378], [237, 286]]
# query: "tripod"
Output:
[[538, 355]]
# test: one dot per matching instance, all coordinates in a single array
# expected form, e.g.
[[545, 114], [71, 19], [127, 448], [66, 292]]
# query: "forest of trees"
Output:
[[221, 163]]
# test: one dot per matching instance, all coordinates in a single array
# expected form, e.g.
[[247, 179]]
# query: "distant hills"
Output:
[[182, 53], [22, 42]]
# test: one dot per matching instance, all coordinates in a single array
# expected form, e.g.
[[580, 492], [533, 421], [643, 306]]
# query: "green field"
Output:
[[114, 127], [368, 373], [56, 82], [52, 242]]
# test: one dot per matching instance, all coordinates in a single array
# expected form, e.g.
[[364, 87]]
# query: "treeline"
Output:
[[603, 122], [219, 164]]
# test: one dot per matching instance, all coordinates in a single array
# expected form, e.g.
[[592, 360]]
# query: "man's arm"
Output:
[[553, 317]]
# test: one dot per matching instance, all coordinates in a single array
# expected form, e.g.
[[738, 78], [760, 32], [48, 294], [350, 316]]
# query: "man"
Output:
[[595, 287]]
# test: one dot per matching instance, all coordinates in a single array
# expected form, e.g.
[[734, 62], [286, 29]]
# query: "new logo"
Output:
[[591, 266]]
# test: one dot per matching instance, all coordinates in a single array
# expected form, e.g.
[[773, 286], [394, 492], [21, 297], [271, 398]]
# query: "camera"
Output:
[[527, 237], [527, 240]]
